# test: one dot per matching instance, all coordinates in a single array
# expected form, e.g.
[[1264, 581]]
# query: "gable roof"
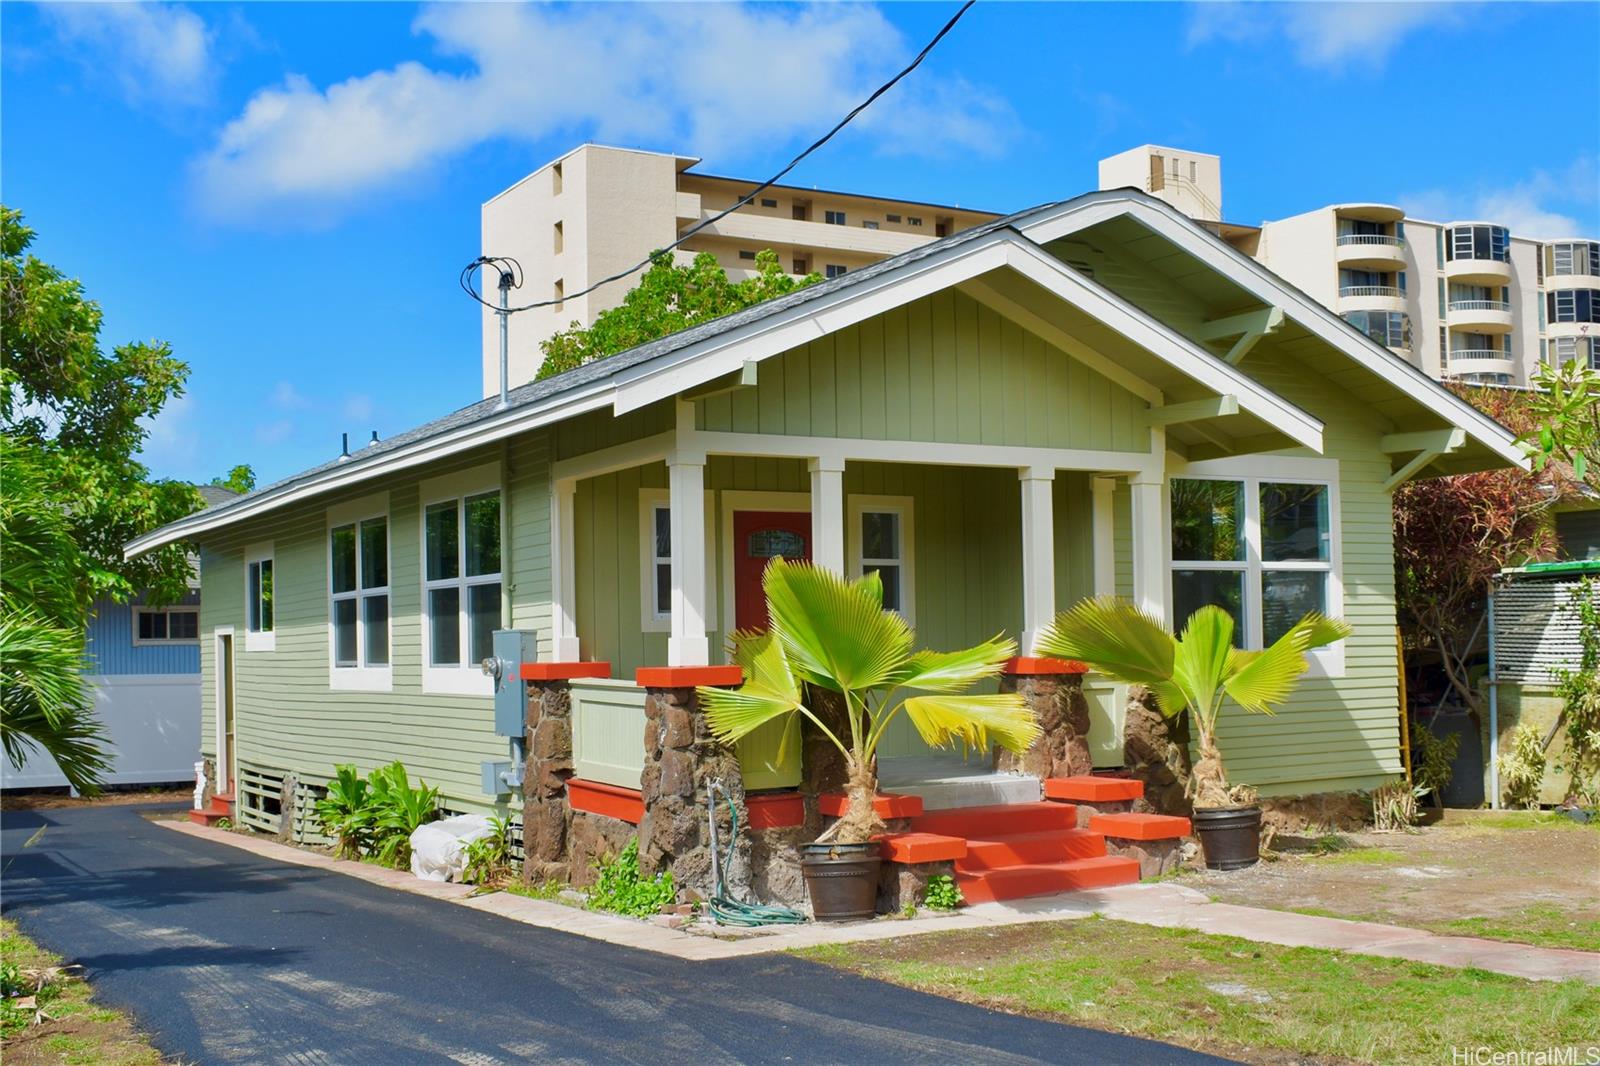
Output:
[[635, 377]]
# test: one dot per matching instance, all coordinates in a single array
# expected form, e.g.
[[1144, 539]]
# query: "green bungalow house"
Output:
[[1092, 396]]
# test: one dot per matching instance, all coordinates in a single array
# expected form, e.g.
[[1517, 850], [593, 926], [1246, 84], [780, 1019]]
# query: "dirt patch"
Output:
[[1460, 876], [56, 801], [80, 1039]]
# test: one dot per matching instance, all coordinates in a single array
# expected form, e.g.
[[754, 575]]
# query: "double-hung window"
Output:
[[358, 596], [1263, 548], [258, 633], [880, 539], [461, 586], [655, 560]]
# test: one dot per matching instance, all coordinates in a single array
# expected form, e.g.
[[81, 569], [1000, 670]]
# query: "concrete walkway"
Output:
[[1168, 905]]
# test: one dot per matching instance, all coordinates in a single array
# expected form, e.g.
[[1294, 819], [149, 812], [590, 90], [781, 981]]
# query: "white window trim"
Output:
[[746, 500], [361, 678], [1328, 661], [905, 508], [649, 620], [466, 679], [255, 639], [166, 642]]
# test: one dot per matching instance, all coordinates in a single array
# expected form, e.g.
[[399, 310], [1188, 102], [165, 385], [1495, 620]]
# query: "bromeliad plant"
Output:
[[1194, 671], [375, 817], [831, 634]]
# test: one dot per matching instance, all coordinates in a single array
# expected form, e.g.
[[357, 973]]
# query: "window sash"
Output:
[[661, 561], [466, 642], [361, 649], [258, 595], [158, 625]]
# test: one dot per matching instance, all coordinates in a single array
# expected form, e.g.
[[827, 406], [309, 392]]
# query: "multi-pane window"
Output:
[[834, 218], [358, 585], [258, 595], [1573, 305], [1574, 257], [171, 625], [881, 551], [1392, 329], [1257, 548], [1479, 242], [1584, 350], [834, 270], [461, 578]]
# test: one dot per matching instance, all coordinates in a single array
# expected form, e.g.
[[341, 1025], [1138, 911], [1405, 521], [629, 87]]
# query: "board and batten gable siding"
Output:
[[112, 652], [286, 715], [944, 368]]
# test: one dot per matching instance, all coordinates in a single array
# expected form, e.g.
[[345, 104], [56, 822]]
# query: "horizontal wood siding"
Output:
[[945, 368], [286, 716]]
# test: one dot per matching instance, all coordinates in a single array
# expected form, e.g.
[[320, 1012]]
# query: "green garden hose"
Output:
[[723, 909]]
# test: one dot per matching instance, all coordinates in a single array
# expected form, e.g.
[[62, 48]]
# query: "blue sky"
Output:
[[286, 192]]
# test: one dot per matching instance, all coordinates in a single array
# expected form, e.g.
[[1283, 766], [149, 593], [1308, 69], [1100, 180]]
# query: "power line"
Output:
[[507, 264]]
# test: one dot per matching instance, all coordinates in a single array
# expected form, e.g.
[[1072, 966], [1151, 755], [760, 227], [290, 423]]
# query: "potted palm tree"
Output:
[[1195, 672], [827, 633]]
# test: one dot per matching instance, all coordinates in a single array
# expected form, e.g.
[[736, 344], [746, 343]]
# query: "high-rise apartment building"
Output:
[[1467, 300], [598, 210]]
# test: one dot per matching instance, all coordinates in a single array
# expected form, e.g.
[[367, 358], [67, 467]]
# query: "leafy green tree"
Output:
[[240, 479], [83, 415], [831, 634], [1565, 409], [667, 299], [1191, 672], [44, 699]]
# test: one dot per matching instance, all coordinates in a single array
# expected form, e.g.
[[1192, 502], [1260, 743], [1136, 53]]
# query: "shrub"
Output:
[[1394, 806], [345, 811], [1433, 761], [399, 809], [622, 889], [489, 858], [1580, 695], [1521, 767], [942, 893]]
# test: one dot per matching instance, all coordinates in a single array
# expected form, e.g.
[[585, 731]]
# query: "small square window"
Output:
[[746, 254], [869, 225], [914, 220], [765, 202], [892, 218], [835, 270], [835, 218]]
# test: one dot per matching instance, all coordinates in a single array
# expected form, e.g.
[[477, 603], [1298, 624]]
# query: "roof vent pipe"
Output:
[[374, 439], [344, 447]]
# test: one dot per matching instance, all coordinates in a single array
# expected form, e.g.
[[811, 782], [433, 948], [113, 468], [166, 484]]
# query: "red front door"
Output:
[[758, 538]]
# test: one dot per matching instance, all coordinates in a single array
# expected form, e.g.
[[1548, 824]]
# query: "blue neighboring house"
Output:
[[144, 667]]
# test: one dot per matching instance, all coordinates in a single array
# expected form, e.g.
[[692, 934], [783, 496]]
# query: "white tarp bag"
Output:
[[438, 849]]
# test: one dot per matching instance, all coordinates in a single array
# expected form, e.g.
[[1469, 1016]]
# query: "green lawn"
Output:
[[1230, 996], [75, 1030]]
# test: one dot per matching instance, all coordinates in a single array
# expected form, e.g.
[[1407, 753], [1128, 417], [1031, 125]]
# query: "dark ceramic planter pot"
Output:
[[841, 879], [1229, 836]]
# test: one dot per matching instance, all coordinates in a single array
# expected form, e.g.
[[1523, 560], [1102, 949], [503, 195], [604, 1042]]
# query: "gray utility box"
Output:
[[512, 648]]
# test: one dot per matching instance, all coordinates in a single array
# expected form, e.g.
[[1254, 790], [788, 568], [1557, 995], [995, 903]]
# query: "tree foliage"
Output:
[[1452, 534], [1564, 411], [668, 298], [240, 479], [83, 414]]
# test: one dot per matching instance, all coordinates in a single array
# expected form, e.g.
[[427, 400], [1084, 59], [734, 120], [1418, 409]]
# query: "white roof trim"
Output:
[[673, 372], [463, 438], [1062, 219]]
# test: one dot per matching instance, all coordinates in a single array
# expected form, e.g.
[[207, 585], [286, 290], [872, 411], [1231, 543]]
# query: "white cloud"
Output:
[[1327, 35], [157, 53], [358, 407], [711, 79], [1546, 204], [286, 396], [275, 432]]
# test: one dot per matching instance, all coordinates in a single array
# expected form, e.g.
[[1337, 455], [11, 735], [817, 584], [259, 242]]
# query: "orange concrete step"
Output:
[[999, 820], [1093, 788], [1027, 849], [1140, 826], [920, 847], [1043, 879]]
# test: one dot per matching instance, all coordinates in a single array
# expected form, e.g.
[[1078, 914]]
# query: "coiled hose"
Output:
[[723, 909]]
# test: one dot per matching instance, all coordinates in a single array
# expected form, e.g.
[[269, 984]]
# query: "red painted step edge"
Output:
[[1140, 826], [596, 797], [887, 804], [1033, 665], [922, 847], [563, 671], [1088, 788], [687, 676], [776, 810]]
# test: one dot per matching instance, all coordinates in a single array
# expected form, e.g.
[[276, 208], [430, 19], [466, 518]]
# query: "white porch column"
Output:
[[1103, 525], [827, 513], [687, 644], [1150, 581], [1038, 553], [563, 574]]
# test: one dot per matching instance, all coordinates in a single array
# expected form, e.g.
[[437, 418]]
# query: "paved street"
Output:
[[229, 958]]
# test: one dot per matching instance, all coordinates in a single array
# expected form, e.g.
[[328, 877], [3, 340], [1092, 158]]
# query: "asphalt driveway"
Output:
[[229, 958]]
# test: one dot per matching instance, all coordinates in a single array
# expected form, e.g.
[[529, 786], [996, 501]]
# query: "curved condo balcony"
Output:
[[1477, 361], [1370, 237], [1480, 316], [1477, 252]]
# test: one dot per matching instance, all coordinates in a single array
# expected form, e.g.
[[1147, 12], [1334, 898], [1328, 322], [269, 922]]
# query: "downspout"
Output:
[[1494, 712]]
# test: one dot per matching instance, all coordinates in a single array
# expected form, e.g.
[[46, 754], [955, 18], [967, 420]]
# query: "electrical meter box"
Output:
[[512, 648]]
